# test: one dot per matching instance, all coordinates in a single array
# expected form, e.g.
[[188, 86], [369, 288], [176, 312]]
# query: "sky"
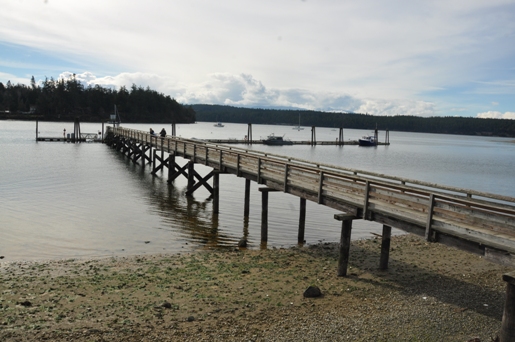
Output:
[[396, 57]]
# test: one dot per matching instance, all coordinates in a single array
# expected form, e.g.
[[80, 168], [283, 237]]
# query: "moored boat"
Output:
[[218, 124], [276, 140], [367, 140], [298, 128]]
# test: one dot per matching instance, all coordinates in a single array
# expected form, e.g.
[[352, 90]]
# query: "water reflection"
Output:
[[192, 218]]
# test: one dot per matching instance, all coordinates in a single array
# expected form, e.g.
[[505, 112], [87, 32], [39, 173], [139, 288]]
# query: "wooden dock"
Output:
[[61, 139], [294, 142], [84, 137], [478, 222]]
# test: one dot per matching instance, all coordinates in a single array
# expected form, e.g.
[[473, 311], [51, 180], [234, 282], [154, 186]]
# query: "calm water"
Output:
[[61, 200]]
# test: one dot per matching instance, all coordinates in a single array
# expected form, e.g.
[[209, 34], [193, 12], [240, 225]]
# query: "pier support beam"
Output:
[[385, 247], [216, 192], [264, 212], [302, 220], [162, 162], [171, 166], [191, 174], [246, 209], [344, 247], [249, 134], [507, 333]]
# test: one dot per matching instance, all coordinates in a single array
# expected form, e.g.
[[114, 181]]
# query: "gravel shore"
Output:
[[429, 293]]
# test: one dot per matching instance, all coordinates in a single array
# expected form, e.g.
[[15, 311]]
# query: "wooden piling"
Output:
[[313, 136], [153, 161], [249, 134], [76, 130], [302, 220], [344, 246], [171, 166], [385, 247], [246, 209], [216, 192], [162, 151], [507, 333], [264, 216], [264, 212], [191, 174]]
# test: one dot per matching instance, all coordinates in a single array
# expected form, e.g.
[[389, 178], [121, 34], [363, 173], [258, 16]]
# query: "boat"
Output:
[[218, 124], [275, 140], [367, 140], [298, 128]]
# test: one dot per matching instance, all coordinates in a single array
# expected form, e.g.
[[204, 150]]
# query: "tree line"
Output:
[[66, 99], [447, 125]]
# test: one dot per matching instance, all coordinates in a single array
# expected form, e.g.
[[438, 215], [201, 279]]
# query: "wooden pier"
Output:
[[75, 137], [478, 222], [294, 142], [85, 137]]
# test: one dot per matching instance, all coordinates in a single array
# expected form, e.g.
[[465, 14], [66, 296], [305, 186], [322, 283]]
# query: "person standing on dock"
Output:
[[152, 132], [162, 133], [64, 133]]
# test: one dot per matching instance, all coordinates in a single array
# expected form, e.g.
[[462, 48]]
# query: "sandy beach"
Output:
[[429, 293]]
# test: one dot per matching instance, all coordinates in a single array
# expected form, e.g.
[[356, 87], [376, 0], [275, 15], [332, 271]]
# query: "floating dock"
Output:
[[301, 142]]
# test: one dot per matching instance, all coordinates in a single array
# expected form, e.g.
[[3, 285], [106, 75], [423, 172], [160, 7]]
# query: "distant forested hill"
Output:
[[64, 100], [449, 125]]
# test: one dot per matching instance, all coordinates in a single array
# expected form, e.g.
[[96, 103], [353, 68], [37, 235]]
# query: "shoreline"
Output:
[[430, 292]]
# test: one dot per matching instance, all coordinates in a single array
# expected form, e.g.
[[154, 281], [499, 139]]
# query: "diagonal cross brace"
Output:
[[164, 162], [181, 170], [201, 181]]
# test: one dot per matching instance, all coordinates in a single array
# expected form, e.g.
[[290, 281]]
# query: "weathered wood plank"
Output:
[[461, 211], [399, 212], [409, 217], [414, 200], [488, 238]]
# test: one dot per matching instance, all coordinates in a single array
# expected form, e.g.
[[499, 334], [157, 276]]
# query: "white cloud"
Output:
[[397, 107], [244, 90], [496, 115], [14, 79], [371, 56]]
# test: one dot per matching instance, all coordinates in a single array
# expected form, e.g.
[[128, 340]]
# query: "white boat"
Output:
[[218, 124], [298, 128]]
